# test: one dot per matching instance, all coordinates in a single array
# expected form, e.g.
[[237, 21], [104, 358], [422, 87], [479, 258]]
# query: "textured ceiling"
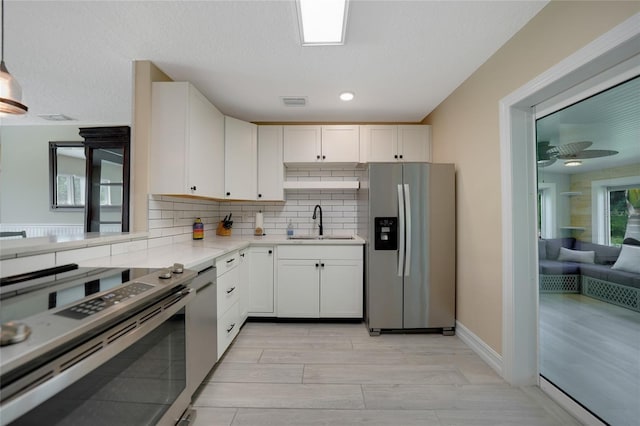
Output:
[[401, 58]]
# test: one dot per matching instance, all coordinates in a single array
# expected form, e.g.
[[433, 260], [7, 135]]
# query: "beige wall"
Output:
[[466, 132], [144, 73]]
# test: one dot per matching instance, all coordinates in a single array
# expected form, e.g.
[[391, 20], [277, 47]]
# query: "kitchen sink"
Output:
[[321, 237]]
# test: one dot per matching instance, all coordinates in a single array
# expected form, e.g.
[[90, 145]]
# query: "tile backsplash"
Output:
[[171, 218]]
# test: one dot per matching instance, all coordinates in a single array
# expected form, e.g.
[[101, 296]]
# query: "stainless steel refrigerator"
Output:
[[408, 212]]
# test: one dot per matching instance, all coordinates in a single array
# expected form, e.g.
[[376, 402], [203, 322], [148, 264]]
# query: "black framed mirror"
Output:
[[67, 176]]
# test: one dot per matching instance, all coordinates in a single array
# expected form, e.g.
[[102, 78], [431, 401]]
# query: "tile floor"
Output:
[[336, 374]]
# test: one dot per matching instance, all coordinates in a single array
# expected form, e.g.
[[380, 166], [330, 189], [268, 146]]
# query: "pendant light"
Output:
[[10, 91]]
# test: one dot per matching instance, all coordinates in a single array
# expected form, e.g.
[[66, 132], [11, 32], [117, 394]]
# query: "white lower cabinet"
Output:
[[319, 282], [341, 289], [228, 327], [261, 297], [244, 279], [298, 288], [229, 290]]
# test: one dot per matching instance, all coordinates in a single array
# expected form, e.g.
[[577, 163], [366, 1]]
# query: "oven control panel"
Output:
[[97, 304]]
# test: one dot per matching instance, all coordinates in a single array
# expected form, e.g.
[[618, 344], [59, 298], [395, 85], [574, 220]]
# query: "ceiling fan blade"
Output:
[[571, 148], [589, 153], [543, 151], [546, 163]]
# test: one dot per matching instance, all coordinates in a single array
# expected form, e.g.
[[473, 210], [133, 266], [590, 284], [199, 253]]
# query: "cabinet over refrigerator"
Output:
[[410, 252]]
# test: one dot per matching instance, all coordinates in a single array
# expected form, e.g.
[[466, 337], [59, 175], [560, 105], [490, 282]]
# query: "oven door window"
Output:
[[136, 387]]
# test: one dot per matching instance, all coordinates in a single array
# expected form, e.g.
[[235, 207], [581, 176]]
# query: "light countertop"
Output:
[[192, 253]]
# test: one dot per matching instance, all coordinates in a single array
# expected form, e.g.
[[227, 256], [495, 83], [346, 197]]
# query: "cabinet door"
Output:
[[341, 144], [169, 138], [414, 142], [298, 288], [302, 144], [378, 143], [187, 142], [261, 281], [244, 282], [241, 158], [205, 168], [341, 289], [270, 165]]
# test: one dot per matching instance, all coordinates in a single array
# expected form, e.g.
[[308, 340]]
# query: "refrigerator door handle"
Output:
[[401, 230], [407, 202]]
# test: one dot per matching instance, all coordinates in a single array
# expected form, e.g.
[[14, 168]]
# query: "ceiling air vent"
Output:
[[55, 117], [294, 101]]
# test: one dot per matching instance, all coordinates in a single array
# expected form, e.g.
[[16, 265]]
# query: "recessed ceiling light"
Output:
[[322, 22], [573, 163], [346, 96]]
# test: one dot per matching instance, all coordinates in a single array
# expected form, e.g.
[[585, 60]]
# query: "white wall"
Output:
[[24, 174]]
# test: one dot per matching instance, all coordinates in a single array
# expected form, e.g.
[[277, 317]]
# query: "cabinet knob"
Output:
[[259, 195], [317, 264], [395, 156], [270, 251], [322, 265], [228, 193], [324, 157], [241, 254], [193, 188], [230, 290], [317, 157], [400, 156]]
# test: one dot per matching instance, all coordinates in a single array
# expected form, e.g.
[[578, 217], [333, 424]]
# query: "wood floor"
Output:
[[336, 374], [591, 350]]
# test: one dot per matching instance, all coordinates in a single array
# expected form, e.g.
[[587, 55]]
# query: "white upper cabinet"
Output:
[[322, 144], [414, 142], [240, 157], [187, 138], [388, 143], [302, 144], [270, 166]]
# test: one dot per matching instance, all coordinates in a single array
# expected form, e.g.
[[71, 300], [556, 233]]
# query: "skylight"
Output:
[[322, 22]]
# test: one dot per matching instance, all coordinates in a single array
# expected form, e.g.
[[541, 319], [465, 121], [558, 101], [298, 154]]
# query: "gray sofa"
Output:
[[596, 279]]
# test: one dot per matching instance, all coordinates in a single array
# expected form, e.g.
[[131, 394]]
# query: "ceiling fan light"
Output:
[[10, 93], [573, 163]]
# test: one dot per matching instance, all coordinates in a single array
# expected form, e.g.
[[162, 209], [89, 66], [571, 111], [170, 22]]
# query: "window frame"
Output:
[[600, 224], [53, 176]]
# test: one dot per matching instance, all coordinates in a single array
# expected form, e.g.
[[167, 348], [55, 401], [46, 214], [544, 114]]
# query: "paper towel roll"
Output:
[[259, 224]]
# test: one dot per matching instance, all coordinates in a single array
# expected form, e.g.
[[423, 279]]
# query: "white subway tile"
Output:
[[128, 247], [78, 255], [20, 265]]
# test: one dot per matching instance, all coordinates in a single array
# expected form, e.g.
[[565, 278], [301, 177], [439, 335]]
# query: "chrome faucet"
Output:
[[316, 208]]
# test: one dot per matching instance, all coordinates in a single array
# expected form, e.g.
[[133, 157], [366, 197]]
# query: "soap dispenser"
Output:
[[290, 229]]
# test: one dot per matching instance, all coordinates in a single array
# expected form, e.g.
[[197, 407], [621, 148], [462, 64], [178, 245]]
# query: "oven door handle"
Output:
[[31, 390]]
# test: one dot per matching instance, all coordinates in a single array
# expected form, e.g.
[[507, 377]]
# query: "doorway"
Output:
[[519, 201], [589, 316]]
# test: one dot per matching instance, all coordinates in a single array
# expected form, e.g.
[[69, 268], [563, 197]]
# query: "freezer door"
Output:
[[429, 284], [384, 280]]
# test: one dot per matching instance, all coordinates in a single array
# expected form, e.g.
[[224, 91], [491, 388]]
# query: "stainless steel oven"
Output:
[[115, 357]]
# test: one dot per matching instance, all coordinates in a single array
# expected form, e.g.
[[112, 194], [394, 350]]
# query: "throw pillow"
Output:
[[629, 259], [567, 255], [631, 241]]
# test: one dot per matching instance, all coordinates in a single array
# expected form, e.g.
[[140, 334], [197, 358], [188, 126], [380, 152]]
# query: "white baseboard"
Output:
[[483, 350]]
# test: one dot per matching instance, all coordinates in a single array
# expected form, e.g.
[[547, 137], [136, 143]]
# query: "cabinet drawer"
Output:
[[319, 252], [228, 290], [228, 327], [227, 262]]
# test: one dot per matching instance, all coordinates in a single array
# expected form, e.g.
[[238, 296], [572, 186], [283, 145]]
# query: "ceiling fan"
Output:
[[549, 154]]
